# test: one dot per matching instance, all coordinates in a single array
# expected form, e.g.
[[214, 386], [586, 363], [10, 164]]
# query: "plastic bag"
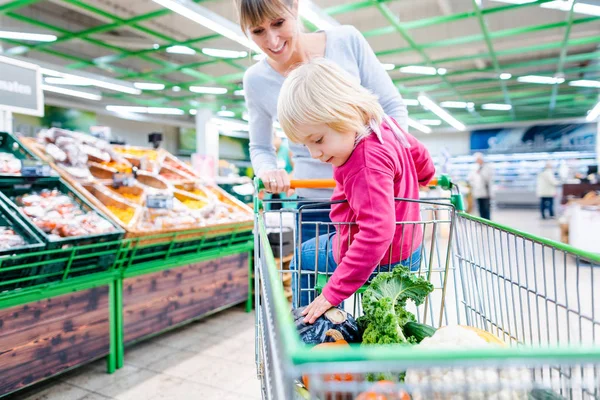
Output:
[[334, 318]]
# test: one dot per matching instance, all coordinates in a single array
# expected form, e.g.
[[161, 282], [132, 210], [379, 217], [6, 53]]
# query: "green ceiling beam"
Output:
[[14, 5], [561, 58], [495, 63], [493, 35], [391, 17]]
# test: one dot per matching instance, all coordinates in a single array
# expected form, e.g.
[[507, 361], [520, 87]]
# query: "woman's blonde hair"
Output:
[[321, 92], [253, 12]]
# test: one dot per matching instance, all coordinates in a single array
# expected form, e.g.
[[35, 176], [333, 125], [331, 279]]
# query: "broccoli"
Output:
[[384, 305]]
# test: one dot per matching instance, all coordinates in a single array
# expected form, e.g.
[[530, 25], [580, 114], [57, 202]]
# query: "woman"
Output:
[[273, 25]]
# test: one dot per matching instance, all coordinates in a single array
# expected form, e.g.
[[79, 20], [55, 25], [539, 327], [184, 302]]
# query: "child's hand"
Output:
[[315, 309]]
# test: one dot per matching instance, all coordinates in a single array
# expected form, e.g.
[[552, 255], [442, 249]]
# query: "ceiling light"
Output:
[[442, 71], [516, 1], [224, 53], [417, 69], [543, 80], [457, 104], [146, 110], [149, 86], [431, 122], [208, 90], [496, 107], [33, 37], [226, 113], [71, 92], [181, 50], [440, 112], [259, 57], [411, 102], [311, 12], [585, 83], [193, 111], [418, 126], [239, 93], [156, 46], [594, 113], [67, 82], [388, 67], [505, 76], [209, 19], [105, 83], [245, 116], [579, 8], [176, 89]]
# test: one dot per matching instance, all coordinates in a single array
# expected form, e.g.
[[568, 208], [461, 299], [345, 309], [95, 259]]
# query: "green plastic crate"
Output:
[[14, 261], [10, 144], [83, 259]]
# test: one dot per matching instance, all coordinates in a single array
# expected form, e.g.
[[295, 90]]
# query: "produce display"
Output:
[[128, 175], [9, 164], [57, 215], [10, 239]]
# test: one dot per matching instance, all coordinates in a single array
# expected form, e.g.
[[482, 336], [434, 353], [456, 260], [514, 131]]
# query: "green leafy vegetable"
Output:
[[384, 305]]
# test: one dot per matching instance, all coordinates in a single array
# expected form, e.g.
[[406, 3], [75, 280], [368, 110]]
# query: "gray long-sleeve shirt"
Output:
[[347, 47]]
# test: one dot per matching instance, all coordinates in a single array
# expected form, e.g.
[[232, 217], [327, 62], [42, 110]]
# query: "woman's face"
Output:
[[277, 37]]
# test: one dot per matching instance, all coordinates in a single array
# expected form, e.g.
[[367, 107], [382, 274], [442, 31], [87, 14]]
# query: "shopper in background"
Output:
[[274, 26], [546, 190], [480, 181], [374, 161]]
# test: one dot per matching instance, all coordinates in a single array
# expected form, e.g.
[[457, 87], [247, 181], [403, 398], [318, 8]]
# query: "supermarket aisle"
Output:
[[212, 359]]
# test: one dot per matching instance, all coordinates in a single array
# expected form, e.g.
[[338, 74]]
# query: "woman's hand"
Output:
[[315, 309], [277, 181]]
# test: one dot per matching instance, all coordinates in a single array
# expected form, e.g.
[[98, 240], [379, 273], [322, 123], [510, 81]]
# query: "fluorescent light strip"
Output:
[[67, 82], [585, 83], [208, 90], [579, 8], [181, 50], [416, 69], [193, 111], [33, 37], [226, 113], [239, 93], [440, 112], [71, 92], [496, 107], [457, 104], [149, 86], [593, 115], [418, 126], [431, 122], [146, 110], [208, 19], [411, 102], [224, 53], [505, 76], [388, 67], [311, 12], [543, 80], [95, 82]]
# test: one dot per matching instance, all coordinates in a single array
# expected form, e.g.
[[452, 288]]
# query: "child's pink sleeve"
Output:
[[422, 159], [370, 194]]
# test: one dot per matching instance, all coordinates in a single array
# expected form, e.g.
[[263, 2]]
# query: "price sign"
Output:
[[34, 168], [122, 179], [164, 201]]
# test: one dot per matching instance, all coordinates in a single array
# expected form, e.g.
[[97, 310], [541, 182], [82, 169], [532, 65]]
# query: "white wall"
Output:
[[457, 143], [136, 133]]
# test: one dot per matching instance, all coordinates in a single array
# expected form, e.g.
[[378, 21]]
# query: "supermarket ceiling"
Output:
[[484, 61]]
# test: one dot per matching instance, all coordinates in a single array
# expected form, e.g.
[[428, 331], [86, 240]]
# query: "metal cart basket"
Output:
[[534, 294]]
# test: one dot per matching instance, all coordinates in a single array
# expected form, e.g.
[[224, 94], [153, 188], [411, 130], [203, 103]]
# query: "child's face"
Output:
[[327, 144]]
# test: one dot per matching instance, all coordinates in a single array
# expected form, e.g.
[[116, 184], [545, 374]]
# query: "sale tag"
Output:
[[164, 201]]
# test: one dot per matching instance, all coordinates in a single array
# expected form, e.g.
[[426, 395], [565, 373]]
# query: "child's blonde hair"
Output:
[[321, 92]]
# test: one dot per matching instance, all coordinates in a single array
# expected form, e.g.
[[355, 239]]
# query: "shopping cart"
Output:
[[535, 294]]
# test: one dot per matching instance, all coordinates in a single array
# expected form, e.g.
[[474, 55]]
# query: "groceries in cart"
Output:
[[374, 161], [57, 215], [10, 239]]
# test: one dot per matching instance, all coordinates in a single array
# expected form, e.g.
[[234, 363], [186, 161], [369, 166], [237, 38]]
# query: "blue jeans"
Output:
[[308, 227], [322, 255]]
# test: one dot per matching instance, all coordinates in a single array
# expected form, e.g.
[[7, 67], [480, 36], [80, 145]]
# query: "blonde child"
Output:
[[374, 161]]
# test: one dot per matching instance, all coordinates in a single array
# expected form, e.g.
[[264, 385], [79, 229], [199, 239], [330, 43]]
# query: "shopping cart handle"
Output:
[[443, 181], [304, 184]]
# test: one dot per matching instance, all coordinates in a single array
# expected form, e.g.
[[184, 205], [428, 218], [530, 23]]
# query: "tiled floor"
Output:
[[209, 359], [212, 359]]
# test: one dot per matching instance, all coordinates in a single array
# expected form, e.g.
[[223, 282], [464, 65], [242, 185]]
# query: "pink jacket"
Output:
[[370, 179]]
